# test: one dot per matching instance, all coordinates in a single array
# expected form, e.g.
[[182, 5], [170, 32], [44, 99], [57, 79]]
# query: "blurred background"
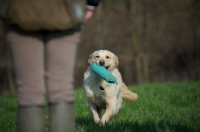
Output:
[[156, 41]]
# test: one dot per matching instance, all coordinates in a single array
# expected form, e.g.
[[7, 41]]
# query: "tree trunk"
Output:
[[195, 15], [144, 46], [134, 43], [9, 71], [104, 13]]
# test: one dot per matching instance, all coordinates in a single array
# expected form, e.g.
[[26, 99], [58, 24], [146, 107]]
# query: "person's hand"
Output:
[[88, 14]]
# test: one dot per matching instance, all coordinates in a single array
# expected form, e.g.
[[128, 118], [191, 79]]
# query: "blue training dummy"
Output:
[[103, 73]]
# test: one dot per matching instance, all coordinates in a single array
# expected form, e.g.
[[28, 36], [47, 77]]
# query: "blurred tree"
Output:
[[145, 45], [195, 24], [105, 11], [6, 69], [139, 50], [134, 42]]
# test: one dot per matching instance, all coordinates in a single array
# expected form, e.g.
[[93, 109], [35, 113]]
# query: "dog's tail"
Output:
[[128, 95]]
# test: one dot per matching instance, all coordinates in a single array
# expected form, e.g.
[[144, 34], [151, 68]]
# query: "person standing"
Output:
[[43, 37]]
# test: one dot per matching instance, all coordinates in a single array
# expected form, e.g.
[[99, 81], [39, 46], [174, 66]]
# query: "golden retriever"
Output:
[[102, 95]]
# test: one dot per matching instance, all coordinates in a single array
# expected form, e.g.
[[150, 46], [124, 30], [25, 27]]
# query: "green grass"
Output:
[[169, 107]]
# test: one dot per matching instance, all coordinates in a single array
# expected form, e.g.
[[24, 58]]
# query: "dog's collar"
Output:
[[105, 86], [101, 88]]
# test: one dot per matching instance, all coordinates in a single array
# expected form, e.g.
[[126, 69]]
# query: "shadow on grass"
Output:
[[89, 126]]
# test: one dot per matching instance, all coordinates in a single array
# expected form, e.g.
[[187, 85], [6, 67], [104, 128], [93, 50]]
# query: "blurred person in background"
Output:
[[43, 37]]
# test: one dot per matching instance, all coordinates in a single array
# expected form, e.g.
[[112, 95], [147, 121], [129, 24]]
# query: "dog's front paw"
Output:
[[97, 120], [104, 119]]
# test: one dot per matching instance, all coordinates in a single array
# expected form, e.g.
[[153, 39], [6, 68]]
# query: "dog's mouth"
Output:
[[103, 65], [107, 67]]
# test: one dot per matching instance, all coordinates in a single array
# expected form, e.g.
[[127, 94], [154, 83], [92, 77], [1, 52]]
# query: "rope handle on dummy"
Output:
[[103, 73]]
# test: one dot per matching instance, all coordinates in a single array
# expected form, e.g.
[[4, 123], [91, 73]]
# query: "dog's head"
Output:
[[104, 58]]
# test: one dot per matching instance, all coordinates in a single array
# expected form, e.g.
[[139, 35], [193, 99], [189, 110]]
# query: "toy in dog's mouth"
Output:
[[103, 73]]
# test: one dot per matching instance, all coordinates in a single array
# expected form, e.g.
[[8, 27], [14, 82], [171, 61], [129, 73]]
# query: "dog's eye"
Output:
[[107, 57], [97, 56]]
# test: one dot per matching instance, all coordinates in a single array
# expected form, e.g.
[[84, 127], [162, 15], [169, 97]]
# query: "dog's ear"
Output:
[[89, 59], [116, 60]]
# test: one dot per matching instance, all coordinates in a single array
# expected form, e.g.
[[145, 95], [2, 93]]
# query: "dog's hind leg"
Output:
[[118, 106]]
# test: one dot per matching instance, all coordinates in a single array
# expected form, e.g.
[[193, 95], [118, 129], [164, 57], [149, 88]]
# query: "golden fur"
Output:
[[102, 95]]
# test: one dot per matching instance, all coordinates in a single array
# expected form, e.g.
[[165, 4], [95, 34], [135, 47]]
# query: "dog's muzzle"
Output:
[[101, 62]]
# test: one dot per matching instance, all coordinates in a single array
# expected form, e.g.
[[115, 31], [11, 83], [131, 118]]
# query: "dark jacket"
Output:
[[42, 14], [93, 2]]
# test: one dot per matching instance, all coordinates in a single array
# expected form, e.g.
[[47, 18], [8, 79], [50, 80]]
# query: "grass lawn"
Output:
[[169, 107]]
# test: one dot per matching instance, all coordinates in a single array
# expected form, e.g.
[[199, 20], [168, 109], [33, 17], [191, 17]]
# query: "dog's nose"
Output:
[[101, 62]]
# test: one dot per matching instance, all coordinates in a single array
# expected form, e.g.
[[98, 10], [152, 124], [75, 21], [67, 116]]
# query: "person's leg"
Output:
[[28, 58], [60, 63]]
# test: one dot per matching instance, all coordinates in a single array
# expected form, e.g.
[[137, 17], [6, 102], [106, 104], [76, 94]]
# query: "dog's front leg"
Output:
[[95, 112], [110, 109]]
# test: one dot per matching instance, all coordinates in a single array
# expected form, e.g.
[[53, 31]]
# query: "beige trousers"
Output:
[[44, 63]]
